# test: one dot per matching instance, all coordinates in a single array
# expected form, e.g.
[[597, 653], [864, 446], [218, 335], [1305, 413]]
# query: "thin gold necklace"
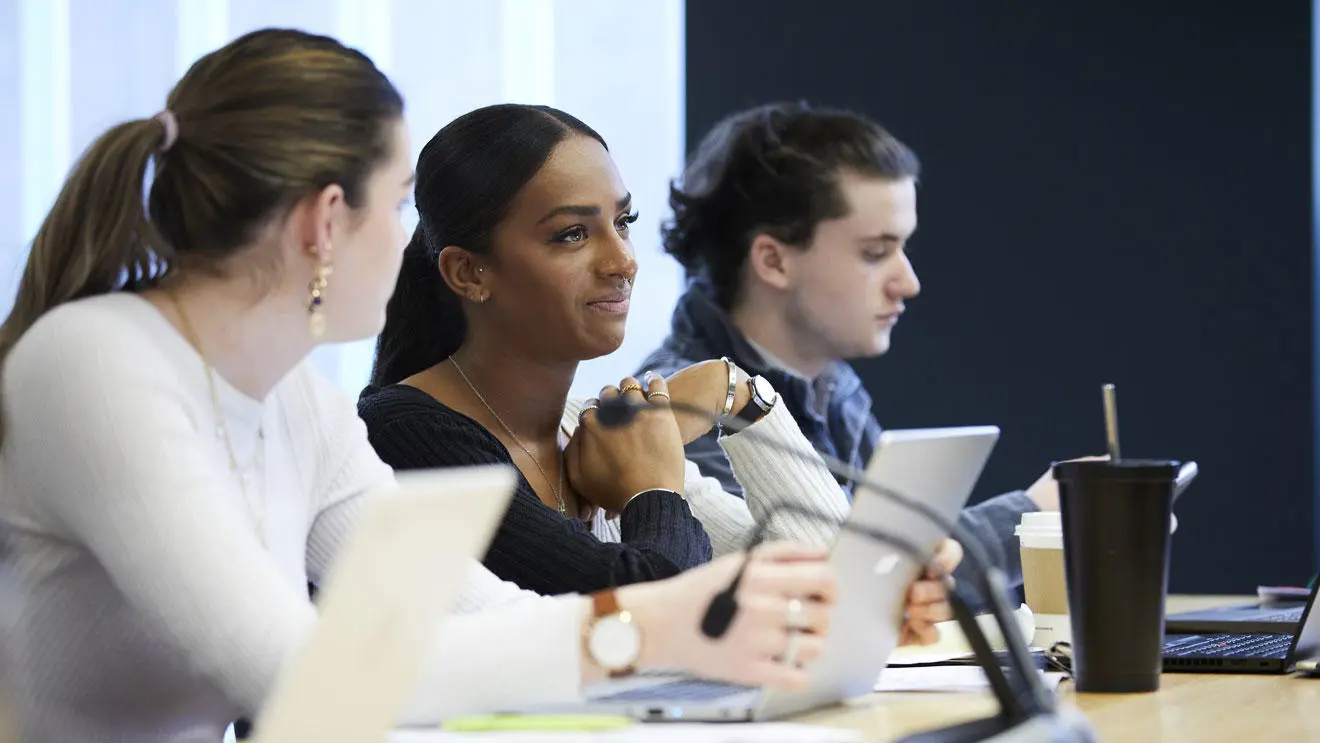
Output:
[[559, 498], [222, 429]]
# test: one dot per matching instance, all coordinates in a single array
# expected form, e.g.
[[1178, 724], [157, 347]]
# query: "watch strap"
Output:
[[603, 604]]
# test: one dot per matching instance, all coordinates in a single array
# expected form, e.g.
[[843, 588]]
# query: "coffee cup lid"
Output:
[[1123, 469], [1041, 521]]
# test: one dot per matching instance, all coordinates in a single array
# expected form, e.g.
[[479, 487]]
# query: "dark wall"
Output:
[[1108, 196]]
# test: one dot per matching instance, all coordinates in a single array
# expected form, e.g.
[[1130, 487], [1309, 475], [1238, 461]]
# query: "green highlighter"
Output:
[[488, 723]]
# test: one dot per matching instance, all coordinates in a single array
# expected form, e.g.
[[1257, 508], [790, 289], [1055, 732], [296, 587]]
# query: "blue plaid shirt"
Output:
[[833, 411]]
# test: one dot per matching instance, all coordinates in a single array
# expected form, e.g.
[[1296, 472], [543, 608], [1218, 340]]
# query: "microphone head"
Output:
[[615, 412], [719, 615]]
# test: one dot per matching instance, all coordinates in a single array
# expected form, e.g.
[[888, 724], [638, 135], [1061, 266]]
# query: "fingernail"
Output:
[[649, 377]]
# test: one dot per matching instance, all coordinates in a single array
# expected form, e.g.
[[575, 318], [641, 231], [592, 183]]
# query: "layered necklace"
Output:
[[246, 473], [558, 491]]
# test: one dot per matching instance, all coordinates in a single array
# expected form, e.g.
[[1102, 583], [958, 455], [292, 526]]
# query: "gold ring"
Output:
[[630, 388], [654, 395], [589, 406]]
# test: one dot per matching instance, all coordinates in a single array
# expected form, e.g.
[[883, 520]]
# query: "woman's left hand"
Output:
[[928, 598]]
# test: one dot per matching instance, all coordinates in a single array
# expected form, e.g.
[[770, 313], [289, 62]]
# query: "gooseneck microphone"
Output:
[[618, 411], [719, 614], [1028, 711]]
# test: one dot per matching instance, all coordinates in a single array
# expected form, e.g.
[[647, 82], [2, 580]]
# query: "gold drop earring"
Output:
[[316, 291]]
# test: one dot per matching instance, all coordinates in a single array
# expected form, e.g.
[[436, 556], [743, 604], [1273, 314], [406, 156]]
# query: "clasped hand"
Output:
[[608, 466]]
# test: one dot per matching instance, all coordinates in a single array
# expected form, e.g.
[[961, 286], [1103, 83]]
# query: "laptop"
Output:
[[936, 466], [349, 682], [1243, 651]]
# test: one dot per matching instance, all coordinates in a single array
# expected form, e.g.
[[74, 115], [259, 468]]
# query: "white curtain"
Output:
[[69, 69]]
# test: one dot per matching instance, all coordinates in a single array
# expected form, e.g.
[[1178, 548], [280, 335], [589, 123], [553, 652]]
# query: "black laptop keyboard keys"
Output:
[[1228, 646]]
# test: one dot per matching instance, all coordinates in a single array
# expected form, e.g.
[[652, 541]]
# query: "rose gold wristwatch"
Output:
[[612, 640]]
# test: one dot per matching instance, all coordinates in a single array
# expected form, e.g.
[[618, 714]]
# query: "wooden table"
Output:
[[1188, 707]]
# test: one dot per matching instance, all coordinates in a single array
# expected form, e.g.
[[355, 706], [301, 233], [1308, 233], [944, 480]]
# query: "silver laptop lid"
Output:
[[1305, 651], [938, 466]]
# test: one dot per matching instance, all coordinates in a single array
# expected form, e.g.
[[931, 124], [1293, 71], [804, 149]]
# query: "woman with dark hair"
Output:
[[173, 471], [521, 268]]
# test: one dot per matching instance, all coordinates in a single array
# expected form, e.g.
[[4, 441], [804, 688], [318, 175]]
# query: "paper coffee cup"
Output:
[[1040, 536]]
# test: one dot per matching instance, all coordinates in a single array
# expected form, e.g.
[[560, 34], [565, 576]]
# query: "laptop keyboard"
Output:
[[1228, 646], [685, 690]]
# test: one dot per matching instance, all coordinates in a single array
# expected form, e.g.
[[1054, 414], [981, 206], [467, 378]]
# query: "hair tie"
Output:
[[171, 127]]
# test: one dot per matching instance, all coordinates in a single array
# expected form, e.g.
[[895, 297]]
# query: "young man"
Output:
[[792, 224]]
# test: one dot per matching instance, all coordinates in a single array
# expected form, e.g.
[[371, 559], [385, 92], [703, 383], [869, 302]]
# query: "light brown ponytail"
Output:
[[258, 124], [96, 237]]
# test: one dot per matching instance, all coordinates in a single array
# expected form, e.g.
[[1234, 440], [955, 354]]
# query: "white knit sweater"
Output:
[[144, 605]]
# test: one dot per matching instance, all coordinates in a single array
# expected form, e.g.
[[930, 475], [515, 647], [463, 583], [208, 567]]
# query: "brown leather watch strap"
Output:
[[604, 603]]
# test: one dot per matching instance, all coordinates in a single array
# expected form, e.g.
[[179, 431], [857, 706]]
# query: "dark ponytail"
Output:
[[418, 330], [467, 177]]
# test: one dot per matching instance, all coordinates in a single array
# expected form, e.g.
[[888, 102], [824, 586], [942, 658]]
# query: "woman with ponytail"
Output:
[[522, 267], [173, 471]]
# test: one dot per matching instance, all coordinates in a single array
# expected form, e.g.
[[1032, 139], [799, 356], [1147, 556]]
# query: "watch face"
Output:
[[614, 643], [764, 390]]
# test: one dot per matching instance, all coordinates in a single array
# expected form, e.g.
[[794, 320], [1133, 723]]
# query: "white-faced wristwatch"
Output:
[[763, 400], [613, 640]]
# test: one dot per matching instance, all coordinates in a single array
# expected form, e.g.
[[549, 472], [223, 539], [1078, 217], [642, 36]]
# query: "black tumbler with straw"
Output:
[[1116, 523]]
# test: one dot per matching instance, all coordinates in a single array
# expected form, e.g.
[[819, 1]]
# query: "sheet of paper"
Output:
[[771, 732], [953, 644], [945, 679]]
